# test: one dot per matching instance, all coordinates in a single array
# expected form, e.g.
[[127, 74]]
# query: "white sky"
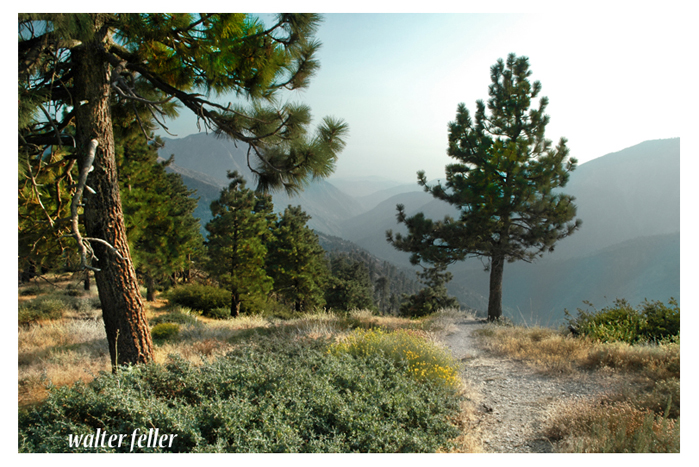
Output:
[[612, 78]]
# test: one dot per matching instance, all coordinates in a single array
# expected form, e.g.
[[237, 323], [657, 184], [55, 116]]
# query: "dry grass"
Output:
[[468, 420], [603, 425], [542, 348], [554, 352], [60, 352], [642, 416]]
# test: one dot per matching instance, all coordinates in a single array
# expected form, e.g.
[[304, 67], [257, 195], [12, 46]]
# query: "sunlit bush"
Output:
[[654, 322], [425, 361]]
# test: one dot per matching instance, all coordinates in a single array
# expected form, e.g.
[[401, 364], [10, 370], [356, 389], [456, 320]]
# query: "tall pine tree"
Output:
[[505, 184], [238, 235], [72, 68], [163, 234], [296, 261]]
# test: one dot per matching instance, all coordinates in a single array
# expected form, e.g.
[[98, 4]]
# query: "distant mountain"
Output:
[[624, 195], [369, 202], [368, 230], [203, 160], [359, 187], [209, 155], [637, 269]]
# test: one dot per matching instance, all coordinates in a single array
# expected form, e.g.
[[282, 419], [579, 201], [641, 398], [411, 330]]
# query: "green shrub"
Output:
[[425, 361], [219, 313], [199, 297], [165, 331], [41, 308], [660, 321], [622, 322], [32, 290], [293, 398], [179, 315], [427, 301]]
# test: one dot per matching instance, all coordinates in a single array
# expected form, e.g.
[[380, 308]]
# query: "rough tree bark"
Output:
[[497, 266], [122, 306]]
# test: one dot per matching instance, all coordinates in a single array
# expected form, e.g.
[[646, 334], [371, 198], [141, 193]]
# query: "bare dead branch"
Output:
[[84, 247]]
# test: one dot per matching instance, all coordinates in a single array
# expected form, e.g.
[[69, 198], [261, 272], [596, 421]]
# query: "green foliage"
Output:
[[427, 301], [165, 331], [433, 297], [199, 297], [238, 234], [186, 55], [296, 262], [41, 308], [654, 322], [349, 287], [179, 315], [425, 361], [505, 183], [218, 313], [42, 199], [297, 398], [164, 236]]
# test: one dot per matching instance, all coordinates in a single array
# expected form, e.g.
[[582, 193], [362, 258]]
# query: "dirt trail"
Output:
[[513, 400]]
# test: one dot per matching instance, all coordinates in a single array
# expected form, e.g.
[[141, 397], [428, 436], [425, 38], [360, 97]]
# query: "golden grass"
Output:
[[633, 419], [469, 441], [601, 425], [553, 352], [62, 352]]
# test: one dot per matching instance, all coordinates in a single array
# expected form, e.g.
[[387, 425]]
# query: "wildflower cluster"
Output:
[[425, 361]]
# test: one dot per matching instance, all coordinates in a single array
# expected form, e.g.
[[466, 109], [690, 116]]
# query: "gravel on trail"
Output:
[[513, 400]]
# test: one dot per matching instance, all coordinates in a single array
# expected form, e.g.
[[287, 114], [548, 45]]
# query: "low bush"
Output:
[[199, 297], [165, 331], [218, 313], [31, 290], [427, 301], [654, 322], [179, 315], [41, 308], [425, 361], [293, 398]]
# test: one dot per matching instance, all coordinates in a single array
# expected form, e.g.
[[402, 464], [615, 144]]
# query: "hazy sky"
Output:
[[396, 79]]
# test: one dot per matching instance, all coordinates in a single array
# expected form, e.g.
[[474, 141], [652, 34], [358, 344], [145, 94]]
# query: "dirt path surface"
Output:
[[513, 400]]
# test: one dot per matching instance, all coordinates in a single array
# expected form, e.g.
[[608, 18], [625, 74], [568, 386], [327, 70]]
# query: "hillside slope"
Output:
[[204, 160]]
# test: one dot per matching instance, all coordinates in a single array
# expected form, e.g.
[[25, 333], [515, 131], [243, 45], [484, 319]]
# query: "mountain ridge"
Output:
[[630, 196]]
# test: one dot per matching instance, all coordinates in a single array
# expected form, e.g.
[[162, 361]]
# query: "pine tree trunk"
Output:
[[497, 266], [86, 281], [235, 305], [127, 330]]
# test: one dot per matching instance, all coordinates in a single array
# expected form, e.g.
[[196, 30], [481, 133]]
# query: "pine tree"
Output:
[[504, 183], [433, 297], [238, 235], [163, 234], [350, 285], [74, 68], [296, 261]]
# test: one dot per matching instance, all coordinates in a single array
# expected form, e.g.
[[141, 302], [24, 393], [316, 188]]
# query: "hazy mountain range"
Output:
[[628, 246]]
